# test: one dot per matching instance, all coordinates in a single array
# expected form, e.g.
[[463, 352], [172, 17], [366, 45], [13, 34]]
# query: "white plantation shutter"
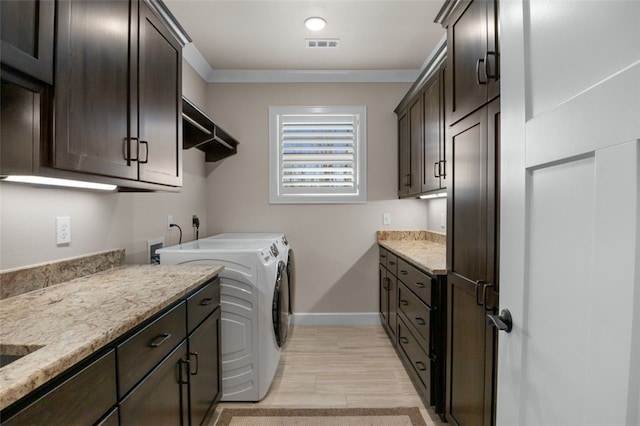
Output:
[[317, 154]]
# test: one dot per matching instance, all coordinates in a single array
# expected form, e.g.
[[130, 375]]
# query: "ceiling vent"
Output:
[[323, 43]]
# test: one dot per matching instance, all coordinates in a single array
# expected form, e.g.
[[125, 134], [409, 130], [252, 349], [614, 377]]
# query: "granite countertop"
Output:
[[59, 326], [426, 250]]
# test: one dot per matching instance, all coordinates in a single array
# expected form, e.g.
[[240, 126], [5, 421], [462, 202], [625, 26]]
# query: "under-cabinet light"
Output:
[[39, 180], [431, 196]]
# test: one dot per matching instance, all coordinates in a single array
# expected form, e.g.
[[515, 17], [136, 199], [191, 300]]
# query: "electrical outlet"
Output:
[[63, 230], [169, 222], [386, 219]]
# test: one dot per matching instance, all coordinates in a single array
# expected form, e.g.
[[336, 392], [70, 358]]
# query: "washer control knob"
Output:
[[274, 250], [284, 240]]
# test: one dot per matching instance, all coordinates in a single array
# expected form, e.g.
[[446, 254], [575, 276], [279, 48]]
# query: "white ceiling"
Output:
[[243, 37]]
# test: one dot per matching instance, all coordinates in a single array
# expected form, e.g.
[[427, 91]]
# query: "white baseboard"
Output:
[[337, 318]]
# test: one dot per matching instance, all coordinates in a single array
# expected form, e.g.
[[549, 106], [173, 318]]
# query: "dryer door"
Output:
[[280, 305]]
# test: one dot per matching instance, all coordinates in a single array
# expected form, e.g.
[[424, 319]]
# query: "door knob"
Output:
[[502, 322]]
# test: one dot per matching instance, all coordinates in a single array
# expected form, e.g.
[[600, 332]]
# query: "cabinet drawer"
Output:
[[202, 303], [415, 313], [418, 359], [145, 349], [392, 263], [382, 256], [417, 281], [81, 400]]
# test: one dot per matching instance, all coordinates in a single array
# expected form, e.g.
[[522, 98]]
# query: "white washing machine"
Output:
[[251, 277]]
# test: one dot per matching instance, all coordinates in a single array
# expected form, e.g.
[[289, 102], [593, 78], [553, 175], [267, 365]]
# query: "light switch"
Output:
[[63, 230], [386, 218]]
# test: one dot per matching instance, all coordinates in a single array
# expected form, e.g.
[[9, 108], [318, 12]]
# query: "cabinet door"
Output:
[[433, 121], [27, 32], [92, 88], [160, 102], [392, 317], [384, 294], [404, 165], [471, 257], [205, 382], [80, 400], [416, 147], [160, 399], [472, 59]]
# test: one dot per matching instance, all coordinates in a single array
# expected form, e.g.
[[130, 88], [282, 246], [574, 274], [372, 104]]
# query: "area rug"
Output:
[[320, 417]]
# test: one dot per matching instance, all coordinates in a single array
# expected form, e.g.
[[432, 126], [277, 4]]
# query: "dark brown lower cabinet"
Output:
[[388, 294], [164, 377], [472, 255], [412, 311], [81, 399], [205, 380], [160, 399]]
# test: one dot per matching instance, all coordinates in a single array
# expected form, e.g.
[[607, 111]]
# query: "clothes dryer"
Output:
[[284, 252], [248, 282]]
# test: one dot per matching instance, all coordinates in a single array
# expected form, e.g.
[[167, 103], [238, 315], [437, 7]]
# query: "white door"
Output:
[[570, 221]]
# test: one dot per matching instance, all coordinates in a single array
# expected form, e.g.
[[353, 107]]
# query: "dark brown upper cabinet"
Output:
[[434, 173], [404, 154], [472, 55], [421, 129], [27, 33], [117, 93]]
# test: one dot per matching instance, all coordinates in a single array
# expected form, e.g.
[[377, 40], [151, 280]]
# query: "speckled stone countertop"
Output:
[[61, 325], [426, 250]]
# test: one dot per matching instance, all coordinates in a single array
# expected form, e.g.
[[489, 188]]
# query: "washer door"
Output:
[[280, 305]]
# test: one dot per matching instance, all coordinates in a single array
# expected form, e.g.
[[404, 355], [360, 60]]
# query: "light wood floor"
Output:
[[339, 367]]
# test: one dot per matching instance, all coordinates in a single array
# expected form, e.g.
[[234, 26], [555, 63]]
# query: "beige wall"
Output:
[[335, 245], [100, 220]]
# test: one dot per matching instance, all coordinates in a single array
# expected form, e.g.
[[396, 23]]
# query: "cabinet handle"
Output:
[[155, 343], [419, 285], [127, 150], [444, 167], [195, 354], [421, 366], [385, 280], [404, 302], [420, 321], [484, 296], [479, 285], [403, 272], [391, 262], [436, 169], [404, 340], [383, 256], [182, 365], [481, 60], [206, 302], [146, 157], [496, 75]]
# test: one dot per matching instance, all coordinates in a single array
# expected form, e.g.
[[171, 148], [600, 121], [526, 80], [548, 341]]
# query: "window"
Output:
[[317, 155]]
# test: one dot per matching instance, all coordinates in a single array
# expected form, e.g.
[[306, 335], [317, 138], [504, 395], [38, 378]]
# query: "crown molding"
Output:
[[193, 56]]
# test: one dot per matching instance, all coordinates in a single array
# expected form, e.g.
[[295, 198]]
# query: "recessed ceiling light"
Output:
[[315, 23]]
